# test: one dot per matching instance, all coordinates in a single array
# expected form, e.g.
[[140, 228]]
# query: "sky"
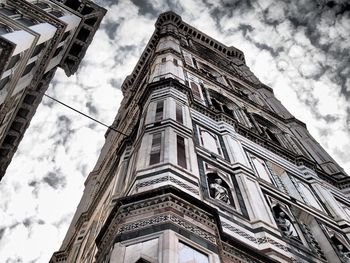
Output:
[[298, 48]]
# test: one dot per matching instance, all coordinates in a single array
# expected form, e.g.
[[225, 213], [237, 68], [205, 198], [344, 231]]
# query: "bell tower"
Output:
[[203, 164]]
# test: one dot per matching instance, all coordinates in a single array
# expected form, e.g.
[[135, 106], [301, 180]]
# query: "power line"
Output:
[[87, 116]]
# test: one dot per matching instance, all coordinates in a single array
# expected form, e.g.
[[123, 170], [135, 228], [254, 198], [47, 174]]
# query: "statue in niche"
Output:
[[342, 250], [284, 223], [220, 192]]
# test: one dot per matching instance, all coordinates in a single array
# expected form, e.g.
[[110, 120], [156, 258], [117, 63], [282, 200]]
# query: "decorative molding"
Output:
[[164, 179]]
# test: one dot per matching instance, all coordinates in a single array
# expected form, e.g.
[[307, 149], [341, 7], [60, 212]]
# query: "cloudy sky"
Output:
[[301, 50]]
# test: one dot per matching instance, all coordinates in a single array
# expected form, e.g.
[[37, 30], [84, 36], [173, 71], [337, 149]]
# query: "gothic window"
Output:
[[211, 73], [159, 110], [28, 69], [223, 104], [209, 140], [267, 128], [195, 89], [4, 82], [188, 254], [194, 83], [175, 62], [179, 113], [188, 58], [261, 168], [285, 223], [308, 196], [38, 49], [155, 148], [181, 151], [217, 106]]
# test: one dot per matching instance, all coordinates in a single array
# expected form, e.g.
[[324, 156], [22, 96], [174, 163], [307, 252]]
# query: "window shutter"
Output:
[[181, 152], [155, 149], [179, 114], [159, 111], [188, 58]]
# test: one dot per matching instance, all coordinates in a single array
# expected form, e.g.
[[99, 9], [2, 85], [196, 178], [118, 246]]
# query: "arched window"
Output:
[[267, 128], [209, 140], [211, 73], [261, 168]]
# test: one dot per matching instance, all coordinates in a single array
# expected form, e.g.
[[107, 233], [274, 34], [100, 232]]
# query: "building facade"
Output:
[[36, 37], [203, 164]]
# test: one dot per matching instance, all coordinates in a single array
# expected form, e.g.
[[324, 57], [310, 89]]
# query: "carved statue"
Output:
[[286, 225], [344, 252], [220, 192]]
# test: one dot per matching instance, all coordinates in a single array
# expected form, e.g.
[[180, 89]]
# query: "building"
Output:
[[204, 164], [36, 37]]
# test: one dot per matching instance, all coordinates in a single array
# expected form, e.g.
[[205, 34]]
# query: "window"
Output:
[[181, 151], [56, 13], [28, 68], [38, 49], [308, 195], [163, 60], [42, 5], [26, 21], [261, 168], [188, 254], [4, 29], [13, 61], [179, 114], [175, 62], [57, 51], [4, 81], [209, 141], [155, 149], [195, 90], [194, 83], [159, 111]]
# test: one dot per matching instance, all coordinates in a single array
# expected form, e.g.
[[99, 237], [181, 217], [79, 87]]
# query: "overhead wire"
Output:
[[85, 115]]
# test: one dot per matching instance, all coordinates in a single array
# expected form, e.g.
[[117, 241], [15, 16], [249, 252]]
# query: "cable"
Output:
[[109, 127]]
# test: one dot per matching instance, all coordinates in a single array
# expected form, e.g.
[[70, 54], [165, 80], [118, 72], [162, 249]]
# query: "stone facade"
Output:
[[210, 168], [36, 37]]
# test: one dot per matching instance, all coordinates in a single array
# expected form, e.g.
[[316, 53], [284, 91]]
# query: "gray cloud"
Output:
[[54, 180]]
